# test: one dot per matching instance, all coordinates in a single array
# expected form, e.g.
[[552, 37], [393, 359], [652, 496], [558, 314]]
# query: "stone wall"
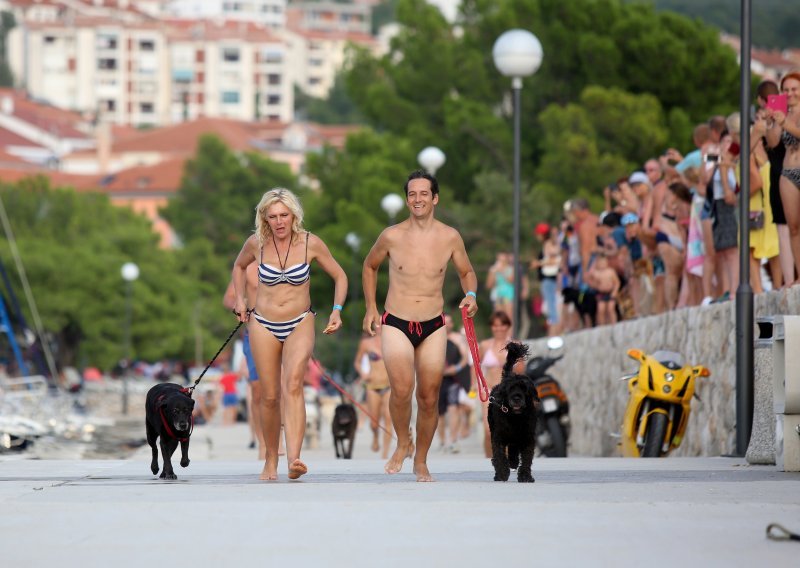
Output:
[[596, 358]]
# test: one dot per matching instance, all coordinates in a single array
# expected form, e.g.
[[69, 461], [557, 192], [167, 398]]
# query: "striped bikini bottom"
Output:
[[793, 175], [282, 329]]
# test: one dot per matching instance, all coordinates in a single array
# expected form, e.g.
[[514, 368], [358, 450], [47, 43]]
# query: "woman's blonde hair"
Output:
[[270, 198]]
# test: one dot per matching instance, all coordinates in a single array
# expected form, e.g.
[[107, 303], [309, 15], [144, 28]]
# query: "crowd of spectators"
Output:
[[668, 236]]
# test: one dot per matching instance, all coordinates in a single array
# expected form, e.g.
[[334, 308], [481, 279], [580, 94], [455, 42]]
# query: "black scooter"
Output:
[[553, 426]]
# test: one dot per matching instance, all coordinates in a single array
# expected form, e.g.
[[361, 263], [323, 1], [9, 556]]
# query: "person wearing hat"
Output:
[[548, 266]]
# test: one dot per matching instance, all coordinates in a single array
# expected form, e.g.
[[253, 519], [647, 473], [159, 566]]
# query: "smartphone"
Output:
[[711, 158], [778, 102]]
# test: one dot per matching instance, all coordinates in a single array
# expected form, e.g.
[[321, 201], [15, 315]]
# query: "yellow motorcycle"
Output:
[[660, 401]]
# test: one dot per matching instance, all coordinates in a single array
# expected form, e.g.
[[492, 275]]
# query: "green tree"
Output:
[[337, 108], [73, 246], [7, 23], [219, 193], [439, 86], [774, 22]]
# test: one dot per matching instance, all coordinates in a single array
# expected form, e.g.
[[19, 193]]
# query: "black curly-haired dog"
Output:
[[513, 411], [168, 411]]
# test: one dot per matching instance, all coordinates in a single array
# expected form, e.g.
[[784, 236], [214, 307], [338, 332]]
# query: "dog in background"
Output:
[[345, 422], [513, 411], [168, 417]]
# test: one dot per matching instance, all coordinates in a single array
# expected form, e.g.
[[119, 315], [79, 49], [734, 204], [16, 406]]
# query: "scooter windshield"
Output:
[[670, 359]]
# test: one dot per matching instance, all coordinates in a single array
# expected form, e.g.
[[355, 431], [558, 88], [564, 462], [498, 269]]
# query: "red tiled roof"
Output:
[[219, 29], [771, 59], [355, 37], [164, 177], [29, 3], [8, 138], [181, 139], [121, 131], [57, 179], [56, 121]]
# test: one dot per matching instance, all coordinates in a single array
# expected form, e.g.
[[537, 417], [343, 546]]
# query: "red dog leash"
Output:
[[345, 393], [472, 340]]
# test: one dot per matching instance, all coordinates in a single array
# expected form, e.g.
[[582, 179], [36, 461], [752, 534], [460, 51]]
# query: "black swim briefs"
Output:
[[415, 331]]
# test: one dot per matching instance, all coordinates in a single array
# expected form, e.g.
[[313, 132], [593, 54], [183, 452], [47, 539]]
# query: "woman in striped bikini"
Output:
[[282, 327]]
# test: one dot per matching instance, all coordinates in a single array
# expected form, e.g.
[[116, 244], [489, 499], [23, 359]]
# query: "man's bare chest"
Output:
[[419, 260]]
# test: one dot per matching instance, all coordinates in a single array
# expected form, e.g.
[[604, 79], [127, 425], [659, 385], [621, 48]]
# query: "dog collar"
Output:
[[503, 407]]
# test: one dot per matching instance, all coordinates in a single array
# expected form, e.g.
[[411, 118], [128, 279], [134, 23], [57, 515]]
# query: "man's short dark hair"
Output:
[[420, 174]]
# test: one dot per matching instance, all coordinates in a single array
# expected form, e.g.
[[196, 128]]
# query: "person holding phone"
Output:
[[786, 127], [775, 152]]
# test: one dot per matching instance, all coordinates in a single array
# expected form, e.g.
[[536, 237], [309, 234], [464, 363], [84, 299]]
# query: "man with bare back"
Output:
[[412, 327]]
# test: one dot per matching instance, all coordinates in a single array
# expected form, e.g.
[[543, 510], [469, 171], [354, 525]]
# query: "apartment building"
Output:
[[230, 70], [271, 13], [317, 36], [127, 67], [328, 16]]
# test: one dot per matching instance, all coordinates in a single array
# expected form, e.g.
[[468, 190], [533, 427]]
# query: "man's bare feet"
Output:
[[270, 471], [395, 463], [422, 473], [297, 469]]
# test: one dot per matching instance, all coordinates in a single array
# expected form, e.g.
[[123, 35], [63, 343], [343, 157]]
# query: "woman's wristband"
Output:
[[471, 293], [337, 307]]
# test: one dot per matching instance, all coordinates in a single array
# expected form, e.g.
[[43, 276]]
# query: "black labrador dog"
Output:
[[344, 427], [513, 411], [168, 411]]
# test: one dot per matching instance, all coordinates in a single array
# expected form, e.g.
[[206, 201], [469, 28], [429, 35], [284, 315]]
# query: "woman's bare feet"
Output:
[[395, 463], [422, 473], [270, 471], [297, 469]]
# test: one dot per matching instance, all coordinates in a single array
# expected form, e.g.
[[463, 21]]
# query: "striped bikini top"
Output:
[[789, 139], [294, 275]]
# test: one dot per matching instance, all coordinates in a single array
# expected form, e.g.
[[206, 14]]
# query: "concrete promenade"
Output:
[[580, 512]]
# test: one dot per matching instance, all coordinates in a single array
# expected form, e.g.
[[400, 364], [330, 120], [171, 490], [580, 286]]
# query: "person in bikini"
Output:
[[492, 353], [281, 329], [376, 383], [412, 327], [786, 128]]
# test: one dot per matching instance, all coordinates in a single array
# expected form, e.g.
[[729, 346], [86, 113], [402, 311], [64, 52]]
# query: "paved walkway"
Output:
[[580, 512]]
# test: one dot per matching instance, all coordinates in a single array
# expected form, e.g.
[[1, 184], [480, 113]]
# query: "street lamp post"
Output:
[[354, 242], [130, 272], [431, 158], [392, 204], [744, 292], [517, 54]]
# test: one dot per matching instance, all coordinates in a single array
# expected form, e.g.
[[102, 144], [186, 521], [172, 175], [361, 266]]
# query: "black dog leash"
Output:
[[190, 390], [778, 532]]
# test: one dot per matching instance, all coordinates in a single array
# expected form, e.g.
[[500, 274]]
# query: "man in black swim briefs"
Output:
[[412, 328]]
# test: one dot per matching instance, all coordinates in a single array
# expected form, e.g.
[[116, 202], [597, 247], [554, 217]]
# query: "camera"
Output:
[[711, 158]]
